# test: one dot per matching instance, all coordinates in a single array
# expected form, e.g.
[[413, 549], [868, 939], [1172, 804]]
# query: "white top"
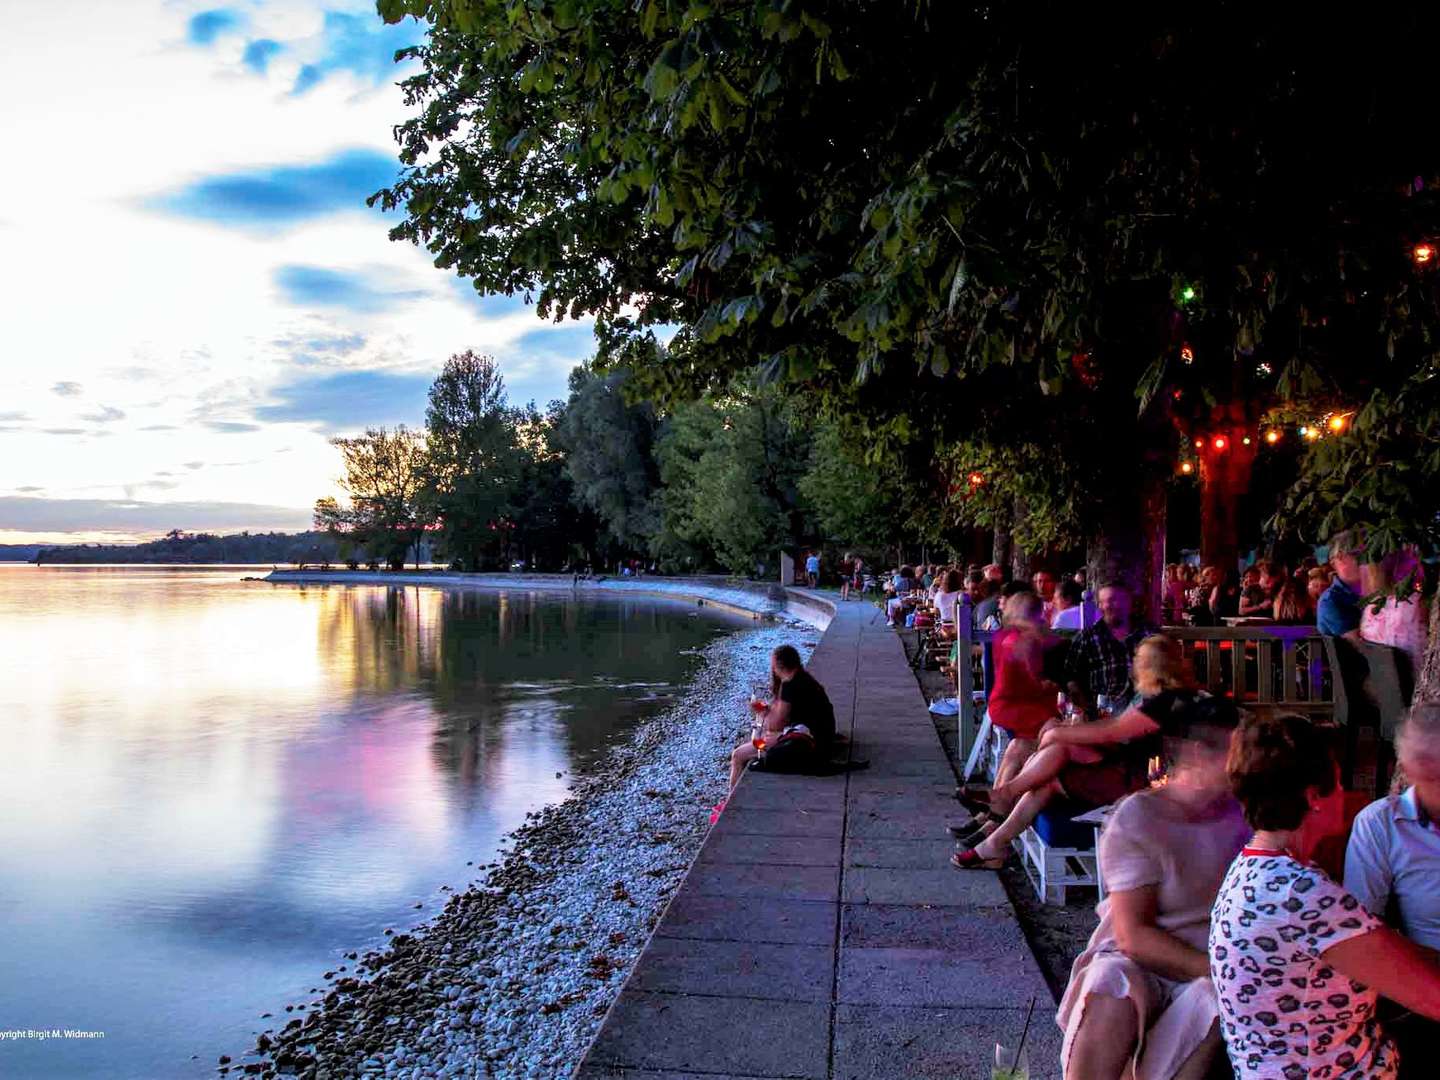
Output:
[[1285, 1014], [1069, 619], [1395, 852], [945, 601]]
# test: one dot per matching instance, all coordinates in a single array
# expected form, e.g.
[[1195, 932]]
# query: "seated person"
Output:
[[1094, 763], [1098, 663], [902, 585], [1392, 865], [799, 707], [1069, 596], [1140, 994], [948, 596], [1023, 700], [1296, 960]]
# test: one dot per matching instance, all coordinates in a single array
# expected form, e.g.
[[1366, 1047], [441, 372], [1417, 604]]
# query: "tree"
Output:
[[730, 469], [1012, 218], [385, 474], [854, 501], [609, 448], [473, 457]]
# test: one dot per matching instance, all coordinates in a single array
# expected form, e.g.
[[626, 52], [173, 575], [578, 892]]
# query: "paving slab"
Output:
[[613, 1072], [748, 1036], [887, 851], [898, 824], [940, 887], [762, 880], [942, 976], [754, 969], [763, 822], [732, 918], [928, 1044], [989, 934], [775, 850]]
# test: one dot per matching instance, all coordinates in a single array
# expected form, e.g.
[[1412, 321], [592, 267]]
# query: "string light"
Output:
[[1199, 444], [1337, 423], [1272, 436], [1187, 354], [1423, 254], [1304, 432], [1220, 442], [976, 479], [1310, 433], [1186, 468], [1264, 370], [1187, 294], [1246, 440]]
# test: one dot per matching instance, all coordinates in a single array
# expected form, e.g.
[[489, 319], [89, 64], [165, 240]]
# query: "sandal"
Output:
[[974, 838], [970, 859], [974, 824]]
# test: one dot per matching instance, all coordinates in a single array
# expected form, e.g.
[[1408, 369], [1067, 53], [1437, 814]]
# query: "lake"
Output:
[[213, 788]]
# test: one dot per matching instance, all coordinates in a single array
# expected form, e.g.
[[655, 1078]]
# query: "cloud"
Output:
[[204, 28], [360, 44], [258, 54], [6, 417], [320, 348], [316, 286], [28, 488], [230, 427], [107, 414], [194, 464], [350, 400], [282, 195], [64, 430], [160, 427], [28, 514], [67, 389], [148, 485]]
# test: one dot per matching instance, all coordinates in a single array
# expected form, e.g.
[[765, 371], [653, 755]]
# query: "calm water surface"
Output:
[[213, 788]]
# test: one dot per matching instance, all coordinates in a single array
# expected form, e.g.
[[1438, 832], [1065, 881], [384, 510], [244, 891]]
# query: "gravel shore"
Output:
[[514, 976]]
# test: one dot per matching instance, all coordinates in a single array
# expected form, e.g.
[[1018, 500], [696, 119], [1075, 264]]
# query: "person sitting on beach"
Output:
[[799, 708], [1140, 995], [1392, 865], [1092, 763], [1297, 961]]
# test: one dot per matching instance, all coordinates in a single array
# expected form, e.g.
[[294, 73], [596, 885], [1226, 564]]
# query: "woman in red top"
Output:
[[1023, 700]]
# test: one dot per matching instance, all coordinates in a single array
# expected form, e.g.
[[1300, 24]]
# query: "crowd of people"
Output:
[[1245, 918], [1219, 932]]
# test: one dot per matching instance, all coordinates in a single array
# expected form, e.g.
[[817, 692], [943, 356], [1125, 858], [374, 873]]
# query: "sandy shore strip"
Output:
[[513, 977]]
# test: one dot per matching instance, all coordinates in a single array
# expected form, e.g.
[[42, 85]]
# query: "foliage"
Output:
[[854, 500], [474, 461], [385, 476], [730, 469], [609, 449], [178, 546], [1014, 217]]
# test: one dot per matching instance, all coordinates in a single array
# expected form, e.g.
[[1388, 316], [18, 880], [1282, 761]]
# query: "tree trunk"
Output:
[[1224, 478], [1427, 679], [1129, 547], [1000, 546]]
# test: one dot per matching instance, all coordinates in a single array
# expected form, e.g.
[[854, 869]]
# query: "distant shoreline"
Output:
[[752, 599]]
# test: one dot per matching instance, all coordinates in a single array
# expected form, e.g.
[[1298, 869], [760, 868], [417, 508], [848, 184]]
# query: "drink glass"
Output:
[[1105, 705], [1010, 1064]]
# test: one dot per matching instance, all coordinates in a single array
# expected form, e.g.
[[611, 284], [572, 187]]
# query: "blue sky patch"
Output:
[[279, 195], [361, 44], [349, 401], [318, 286], [204, 28], [258, 54]]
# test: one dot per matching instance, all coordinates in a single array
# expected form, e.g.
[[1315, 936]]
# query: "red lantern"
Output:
[[1220, 442]]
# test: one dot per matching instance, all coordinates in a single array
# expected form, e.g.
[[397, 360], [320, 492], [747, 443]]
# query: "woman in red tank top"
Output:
[[1023, 700]]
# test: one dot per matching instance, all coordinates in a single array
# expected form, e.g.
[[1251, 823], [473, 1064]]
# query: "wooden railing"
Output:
[[1265, 668]]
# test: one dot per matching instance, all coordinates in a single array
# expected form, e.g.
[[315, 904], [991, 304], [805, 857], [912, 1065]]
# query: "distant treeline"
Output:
[[20, 552], [183, 547]]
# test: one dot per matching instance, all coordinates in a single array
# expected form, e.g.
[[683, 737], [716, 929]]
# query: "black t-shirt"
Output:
[[1173, 711], [810, 705]]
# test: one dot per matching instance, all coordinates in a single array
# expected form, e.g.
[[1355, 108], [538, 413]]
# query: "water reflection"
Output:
[[212, 787]]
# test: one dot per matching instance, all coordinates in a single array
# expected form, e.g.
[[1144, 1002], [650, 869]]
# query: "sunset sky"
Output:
[[193, 293]]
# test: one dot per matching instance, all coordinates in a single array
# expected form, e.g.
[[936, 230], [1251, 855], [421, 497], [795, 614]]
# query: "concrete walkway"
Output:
[[821, 932]]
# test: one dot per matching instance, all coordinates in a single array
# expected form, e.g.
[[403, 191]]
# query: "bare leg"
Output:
[[739, 760], [1011, 762], [1105, 1041], [997, 843], [1197, 1065], [1042, 767]]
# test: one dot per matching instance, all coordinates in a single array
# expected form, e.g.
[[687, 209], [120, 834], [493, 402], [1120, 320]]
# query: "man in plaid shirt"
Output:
[[1099, 658]]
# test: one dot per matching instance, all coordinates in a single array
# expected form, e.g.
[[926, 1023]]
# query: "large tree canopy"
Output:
[[1033, 232]]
